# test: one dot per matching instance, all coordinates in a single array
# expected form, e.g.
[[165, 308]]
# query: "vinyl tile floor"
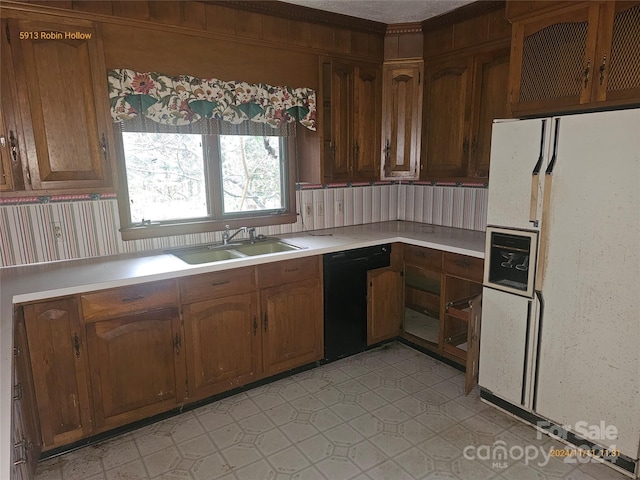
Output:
[[390, 413]]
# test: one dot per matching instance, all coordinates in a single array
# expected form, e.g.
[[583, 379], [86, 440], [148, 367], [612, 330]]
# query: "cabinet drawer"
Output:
[[424, 257], [127, 300], [217, 285], [288, 271], [463, 266]]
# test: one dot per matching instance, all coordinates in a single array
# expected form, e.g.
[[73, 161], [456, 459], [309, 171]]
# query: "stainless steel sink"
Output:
[[262, 248], [199, 255], [219, 253]]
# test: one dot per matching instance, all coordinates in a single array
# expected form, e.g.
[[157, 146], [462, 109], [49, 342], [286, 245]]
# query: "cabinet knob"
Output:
[[103, 146], [585, 74], [603, 67], [17, 389], [177, 343], [387, 155]]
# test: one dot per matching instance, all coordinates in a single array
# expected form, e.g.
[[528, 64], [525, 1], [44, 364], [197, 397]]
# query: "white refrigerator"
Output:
[[565, 347]]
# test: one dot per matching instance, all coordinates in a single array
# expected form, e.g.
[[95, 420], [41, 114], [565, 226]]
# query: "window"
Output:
[[175, 183], [197, 154]]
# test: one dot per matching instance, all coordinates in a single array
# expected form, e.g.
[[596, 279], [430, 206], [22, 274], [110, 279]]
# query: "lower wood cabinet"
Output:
[[384, 304], [443, 305], [137, 366], [292, 325], [223, 344], [58, 357], [105, 359], [25, 438]]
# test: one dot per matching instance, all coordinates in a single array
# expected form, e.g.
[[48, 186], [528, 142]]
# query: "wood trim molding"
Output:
[[400, 28], [463, 13], [306, 14]]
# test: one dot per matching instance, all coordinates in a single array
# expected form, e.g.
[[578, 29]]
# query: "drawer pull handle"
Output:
[[255, 325], [132, 299], [76, 345], [289, 270], [265, 322], [463, 264], [17, 388], [217, 284], [177, 342], [24, 443]]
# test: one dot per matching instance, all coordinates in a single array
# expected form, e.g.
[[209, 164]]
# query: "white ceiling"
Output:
[[385, 11]]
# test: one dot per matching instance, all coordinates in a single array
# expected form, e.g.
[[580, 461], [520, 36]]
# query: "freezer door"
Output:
[[505, 345], [517, 149], [590, 335]]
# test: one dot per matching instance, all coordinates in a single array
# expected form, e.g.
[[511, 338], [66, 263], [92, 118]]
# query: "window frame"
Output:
[[131, 231]]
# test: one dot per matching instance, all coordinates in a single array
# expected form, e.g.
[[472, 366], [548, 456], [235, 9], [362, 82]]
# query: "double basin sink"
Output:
[[219, 253]]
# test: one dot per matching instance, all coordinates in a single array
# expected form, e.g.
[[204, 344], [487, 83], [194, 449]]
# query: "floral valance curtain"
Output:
[[184, 100]]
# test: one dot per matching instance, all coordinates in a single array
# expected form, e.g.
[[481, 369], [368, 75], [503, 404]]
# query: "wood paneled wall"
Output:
[[304, 29]]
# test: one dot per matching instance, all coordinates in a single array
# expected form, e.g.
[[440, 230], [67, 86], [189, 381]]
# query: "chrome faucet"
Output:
[[226, 238]]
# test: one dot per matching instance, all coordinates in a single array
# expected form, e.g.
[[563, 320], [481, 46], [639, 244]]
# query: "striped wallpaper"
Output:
[[89, 227]]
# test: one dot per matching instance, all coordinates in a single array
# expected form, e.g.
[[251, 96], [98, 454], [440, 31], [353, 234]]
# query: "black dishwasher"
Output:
[[345, 298]]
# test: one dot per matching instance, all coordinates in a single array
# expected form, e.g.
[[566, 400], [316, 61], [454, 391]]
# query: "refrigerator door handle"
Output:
[[554, 157], [535, 179], [544, 231], [538, 344], [526, 354]]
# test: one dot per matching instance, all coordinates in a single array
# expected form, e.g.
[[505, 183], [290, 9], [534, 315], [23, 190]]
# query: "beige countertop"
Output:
[[47, 280]]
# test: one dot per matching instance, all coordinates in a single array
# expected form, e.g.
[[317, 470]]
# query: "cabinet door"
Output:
[[6, 152], [617, 61], [11, 177], [473, 339], [137, 366], [447, 118], [490, 102], [291, 325], [341, 120], [57, 353], [222, 344], [553, 64], [384, 304], [401, 120], [26, 424], [63, 99], [367, 118]]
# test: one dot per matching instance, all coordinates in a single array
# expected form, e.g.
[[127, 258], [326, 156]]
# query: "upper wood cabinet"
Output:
[[463, 95], [448, 93], [61, 83], [352, 112], [7, 138], [575, 57], [490, 102], [402, 92], [11, 176]]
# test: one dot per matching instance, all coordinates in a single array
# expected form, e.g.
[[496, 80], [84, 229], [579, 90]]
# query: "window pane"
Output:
[[252, 175], [165, 173]]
